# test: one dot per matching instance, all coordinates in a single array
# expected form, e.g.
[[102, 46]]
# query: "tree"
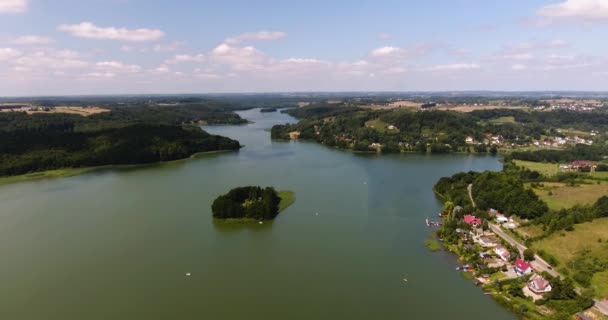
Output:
[[529, 254]]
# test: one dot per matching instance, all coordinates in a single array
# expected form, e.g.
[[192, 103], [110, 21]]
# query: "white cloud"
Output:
[[117, 67], [259, 36], [51, 59], [386, 51], [30, 39], [455, 67], [239, 58], [90, 31], [102, 75], [8, 53], [162, 69], [589, 10], [13, 6], [518, 67], [167, 47], [180, 58]]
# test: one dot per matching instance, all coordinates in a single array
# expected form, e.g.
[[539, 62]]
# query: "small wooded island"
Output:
[[251, 203], [268, 110]]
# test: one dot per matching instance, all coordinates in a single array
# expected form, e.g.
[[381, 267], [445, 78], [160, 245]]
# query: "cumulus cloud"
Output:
[[389, 52], [167, 47], [50, 59], [239, 58], [455, 67], [90, 31], [13, 6], [256, 36], [180, 58], [117, 67], [8, 53], [588, 10], [31, 39]]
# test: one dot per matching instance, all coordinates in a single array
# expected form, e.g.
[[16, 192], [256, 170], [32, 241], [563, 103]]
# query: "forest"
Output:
[[125, 135], [251, 202], [492, 190]]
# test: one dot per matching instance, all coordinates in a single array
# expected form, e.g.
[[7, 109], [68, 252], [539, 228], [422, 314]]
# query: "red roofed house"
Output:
[[578, 164], [502, 253], [522, 267], [539, 284], [472, 220]]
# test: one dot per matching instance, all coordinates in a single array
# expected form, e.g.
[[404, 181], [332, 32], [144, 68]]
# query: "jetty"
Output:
[[432, 223]]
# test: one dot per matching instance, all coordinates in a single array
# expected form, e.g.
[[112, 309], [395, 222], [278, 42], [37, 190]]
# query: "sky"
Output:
[[76, 47]]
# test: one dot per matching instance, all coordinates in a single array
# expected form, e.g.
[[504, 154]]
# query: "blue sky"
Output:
[[134, 46]]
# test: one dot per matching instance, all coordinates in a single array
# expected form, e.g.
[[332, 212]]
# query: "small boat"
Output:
[[188, 274]]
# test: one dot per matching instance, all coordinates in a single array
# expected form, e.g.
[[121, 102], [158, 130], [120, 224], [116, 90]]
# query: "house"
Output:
[[472, 220], [502, 253], [488, 242], [392, 127], [522, 267], [579, 164], [539, 285], [501, 218], [469, 140], [602, 306], [582, 316], [493, 212]]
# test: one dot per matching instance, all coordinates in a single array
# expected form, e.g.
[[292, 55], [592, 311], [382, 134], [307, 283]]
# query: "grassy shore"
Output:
[[70, 172], [433, 245], [546, 169], [287, 199]]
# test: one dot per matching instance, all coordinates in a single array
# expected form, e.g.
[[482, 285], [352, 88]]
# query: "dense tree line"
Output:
[[132, 132], [251, 202], [24, 151], [496, 190], [578, 152]]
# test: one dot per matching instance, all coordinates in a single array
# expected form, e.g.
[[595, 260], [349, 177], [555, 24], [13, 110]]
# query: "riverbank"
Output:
[[70, 172]]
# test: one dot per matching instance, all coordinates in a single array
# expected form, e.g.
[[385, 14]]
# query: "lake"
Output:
[[117, 244]]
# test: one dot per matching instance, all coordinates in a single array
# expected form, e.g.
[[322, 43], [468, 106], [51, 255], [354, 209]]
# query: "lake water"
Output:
[[117, 244]]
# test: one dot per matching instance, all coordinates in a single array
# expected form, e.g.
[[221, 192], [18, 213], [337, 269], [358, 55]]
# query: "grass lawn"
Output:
[[599, 175], [584, 236], [503, 120], [546, 169], [600, 283], [497, 276], [531, 231], [287, 199], [563, 196], [380, 126]]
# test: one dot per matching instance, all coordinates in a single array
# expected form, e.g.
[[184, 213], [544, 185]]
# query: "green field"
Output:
[[287, 199], [600, 283], [546, 169], [380, 126], [559, 195], [503, 120], [564, 246]]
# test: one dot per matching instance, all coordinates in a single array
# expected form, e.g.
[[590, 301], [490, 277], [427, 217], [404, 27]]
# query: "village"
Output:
[[492, 256]]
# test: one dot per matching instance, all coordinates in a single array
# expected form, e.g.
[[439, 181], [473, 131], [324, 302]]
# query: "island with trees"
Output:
[[251, 203]]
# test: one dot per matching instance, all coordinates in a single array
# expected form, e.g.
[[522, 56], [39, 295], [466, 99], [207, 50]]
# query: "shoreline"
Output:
[[71, 172]]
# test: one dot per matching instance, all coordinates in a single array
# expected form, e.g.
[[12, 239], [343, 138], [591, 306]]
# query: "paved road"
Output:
[[538, 264]]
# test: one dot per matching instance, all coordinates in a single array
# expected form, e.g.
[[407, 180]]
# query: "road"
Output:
[[538, 264]]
